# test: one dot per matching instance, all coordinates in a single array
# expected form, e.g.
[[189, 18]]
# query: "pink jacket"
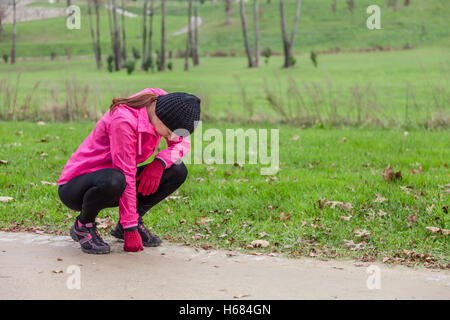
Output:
[[123, 140]]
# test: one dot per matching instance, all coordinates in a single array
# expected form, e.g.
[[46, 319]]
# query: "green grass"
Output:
[[423, 23], [319, 164], [398, 87]]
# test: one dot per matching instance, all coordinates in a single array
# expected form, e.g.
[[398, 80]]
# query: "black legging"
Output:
[[94, 191]]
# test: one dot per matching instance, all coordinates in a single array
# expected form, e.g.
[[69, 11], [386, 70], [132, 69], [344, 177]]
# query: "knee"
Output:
[[115, 183], [179, 173]]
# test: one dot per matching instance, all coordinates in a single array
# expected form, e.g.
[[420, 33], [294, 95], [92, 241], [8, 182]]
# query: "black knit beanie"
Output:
[[178, 110]]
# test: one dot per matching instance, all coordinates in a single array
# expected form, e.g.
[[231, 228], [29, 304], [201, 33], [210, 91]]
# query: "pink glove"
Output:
[[150, 177], [133, 241]]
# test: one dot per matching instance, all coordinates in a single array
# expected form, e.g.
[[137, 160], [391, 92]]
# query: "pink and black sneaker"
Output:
[[89, 238]]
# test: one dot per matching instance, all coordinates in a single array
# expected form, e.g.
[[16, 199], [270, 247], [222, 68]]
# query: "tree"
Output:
[[111, 29], [13, 48], [124, 47], [189, 38], [227, 11], [99, 50], [117, 53], [287, 44], [256, 26], [162, 62], [144, 36], [95, 36], [195, 57], [244, 30], [150, 33]]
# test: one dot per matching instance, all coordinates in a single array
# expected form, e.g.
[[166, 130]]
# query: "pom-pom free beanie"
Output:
[[178, 110]]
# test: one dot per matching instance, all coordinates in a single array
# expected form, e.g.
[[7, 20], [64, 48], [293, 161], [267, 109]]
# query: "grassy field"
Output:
[[423, 23], [227, 206], [396, 88]]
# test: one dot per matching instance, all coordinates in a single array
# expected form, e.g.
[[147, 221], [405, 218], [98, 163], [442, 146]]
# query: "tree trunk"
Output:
[[195, 49], [189, 38], [69, 3], [150, 34], [13, 49], [110, 23], [163, 36], [244, 30], [227, 11], [144, 36], [255, 22], [117, 53], [91, 28], [124, 33], [287, 44], [99, 49]]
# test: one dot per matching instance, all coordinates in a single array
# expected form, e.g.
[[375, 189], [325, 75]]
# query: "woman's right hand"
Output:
[[133, 241]]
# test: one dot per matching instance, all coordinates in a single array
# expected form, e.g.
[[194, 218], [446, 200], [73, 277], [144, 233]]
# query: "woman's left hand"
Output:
[[150, 177]]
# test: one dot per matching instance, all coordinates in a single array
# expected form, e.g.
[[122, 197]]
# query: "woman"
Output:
[[103, 171]]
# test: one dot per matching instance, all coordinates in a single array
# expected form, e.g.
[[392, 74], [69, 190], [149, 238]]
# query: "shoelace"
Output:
[[98, 238]]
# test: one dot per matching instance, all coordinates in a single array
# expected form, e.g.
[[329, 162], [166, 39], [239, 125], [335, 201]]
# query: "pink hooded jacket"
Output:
[[123, 140]]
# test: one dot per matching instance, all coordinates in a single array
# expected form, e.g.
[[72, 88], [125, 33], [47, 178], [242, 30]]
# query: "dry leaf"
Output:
[[241, 296], [3, 161], [363, 233], [389, 174], [283, 216], [6, 199], [438, 230], [49, 183], [295, 138], [258, 244], [345, 218], [379, 199]]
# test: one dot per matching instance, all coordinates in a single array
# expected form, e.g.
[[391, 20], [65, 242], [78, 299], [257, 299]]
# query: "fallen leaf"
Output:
[[40, 123], [258, 244], [363, 233], [57, 271], [379, 199], [345, 218], [6, 199], [3, 161], [295, 138], [438, 230], [49, 183], [241, 296], [284, 216], [389, 174]]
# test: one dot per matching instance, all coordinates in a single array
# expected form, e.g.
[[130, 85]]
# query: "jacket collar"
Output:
[[144, 124]]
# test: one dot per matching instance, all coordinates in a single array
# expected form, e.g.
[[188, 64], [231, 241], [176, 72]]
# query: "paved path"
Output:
[[36, 266]]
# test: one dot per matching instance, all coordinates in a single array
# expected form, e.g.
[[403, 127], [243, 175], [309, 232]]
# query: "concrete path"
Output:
[[37, 266]]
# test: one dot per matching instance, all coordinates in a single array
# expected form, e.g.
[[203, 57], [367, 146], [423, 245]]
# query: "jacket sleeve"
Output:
[[123, 141], [176, 149]]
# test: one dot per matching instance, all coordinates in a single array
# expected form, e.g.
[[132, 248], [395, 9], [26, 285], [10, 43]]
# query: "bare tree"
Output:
[[287, 44], [244, 30], [95, 36], [195, 42], [227, 11], [162, 61], [189, 38], [256, 28], [124, 47], [13, 48], [150, 33], [110, 23], [144, 35], [99, 50], [117, 55]]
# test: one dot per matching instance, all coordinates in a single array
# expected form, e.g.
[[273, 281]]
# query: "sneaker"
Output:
[[148, 239], [89, 238]]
